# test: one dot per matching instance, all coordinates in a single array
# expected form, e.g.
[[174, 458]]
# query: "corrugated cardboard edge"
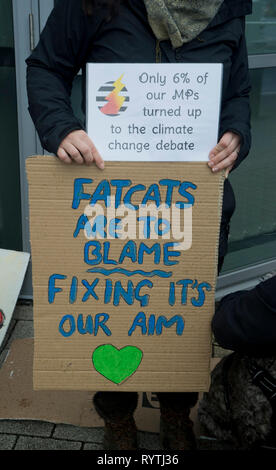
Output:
[[221, 188]]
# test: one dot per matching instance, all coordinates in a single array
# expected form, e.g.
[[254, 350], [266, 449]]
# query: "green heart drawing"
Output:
[[116, 364]]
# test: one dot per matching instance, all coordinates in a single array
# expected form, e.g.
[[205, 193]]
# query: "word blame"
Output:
[[96, 252], [146, 326]]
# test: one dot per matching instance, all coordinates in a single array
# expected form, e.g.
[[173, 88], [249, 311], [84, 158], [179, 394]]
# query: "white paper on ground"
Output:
[[13, 265]]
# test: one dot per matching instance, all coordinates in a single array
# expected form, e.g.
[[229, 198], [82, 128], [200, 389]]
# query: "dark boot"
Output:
[[116, 409], [176, 428]]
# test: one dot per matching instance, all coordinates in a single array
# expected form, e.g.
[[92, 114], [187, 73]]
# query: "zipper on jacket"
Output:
[[157, 52]]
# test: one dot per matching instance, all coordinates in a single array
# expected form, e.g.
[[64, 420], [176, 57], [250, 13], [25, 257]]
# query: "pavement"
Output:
[[41, 435]]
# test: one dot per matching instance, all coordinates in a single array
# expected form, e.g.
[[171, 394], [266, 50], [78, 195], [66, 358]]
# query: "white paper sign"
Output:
[[154, 112]]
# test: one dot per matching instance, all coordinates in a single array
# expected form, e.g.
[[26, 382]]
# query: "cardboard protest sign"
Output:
[[124, 274], [125, 259]]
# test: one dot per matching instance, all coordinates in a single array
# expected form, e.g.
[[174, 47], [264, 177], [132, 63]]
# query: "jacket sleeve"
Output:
[[245, 321], [51, 69], [235, 109]]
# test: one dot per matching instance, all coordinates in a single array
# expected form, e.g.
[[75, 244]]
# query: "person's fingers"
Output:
[[223, 143], [228, 140], [63, 156], [228, 144], [218, 156], [226, 162], [73, 152], [81, 149], [97, 157], [89, 151], [85, 150], [222, 155], [95, 153]]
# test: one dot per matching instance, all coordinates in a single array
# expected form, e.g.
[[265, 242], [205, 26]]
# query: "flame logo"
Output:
[[115, 100]]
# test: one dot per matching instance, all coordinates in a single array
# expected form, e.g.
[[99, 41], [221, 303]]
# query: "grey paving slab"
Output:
[[23, 312], [74, 433], [92, 447], [26, 427], [38, 443], [149, 441], [22, 329], [7, 441]]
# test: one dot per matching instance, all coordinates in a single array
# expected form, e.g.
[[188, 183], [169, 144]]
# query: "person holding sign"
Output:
[[149, 31]]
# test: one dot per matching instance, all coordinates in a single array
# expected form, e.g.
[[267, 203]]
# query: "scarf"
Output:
[[180, 20]]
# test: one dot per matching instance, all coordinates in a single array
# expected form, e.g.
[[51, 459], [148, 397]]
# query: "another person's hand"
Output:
[[225, 153], [79, 147]]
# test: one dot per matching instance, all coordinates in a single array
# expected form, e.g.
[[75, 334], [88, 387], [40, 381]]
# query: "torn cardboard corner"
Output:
[[20, 401], [13, 265], [123, 300]]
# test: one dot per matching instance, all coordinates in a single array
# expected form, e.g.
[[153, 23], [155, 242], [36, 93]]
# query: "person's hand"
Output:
[[225, 153], [79, 147]]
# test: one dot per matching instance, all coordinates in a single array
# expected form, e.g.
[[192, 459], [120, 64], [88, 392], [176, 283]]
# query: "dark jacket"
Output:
[[245, 321], [70, 39]]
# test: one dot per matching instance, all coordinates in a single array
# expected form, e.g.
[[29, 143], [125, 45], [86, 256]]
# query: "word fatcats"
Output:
[[148, 194]]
